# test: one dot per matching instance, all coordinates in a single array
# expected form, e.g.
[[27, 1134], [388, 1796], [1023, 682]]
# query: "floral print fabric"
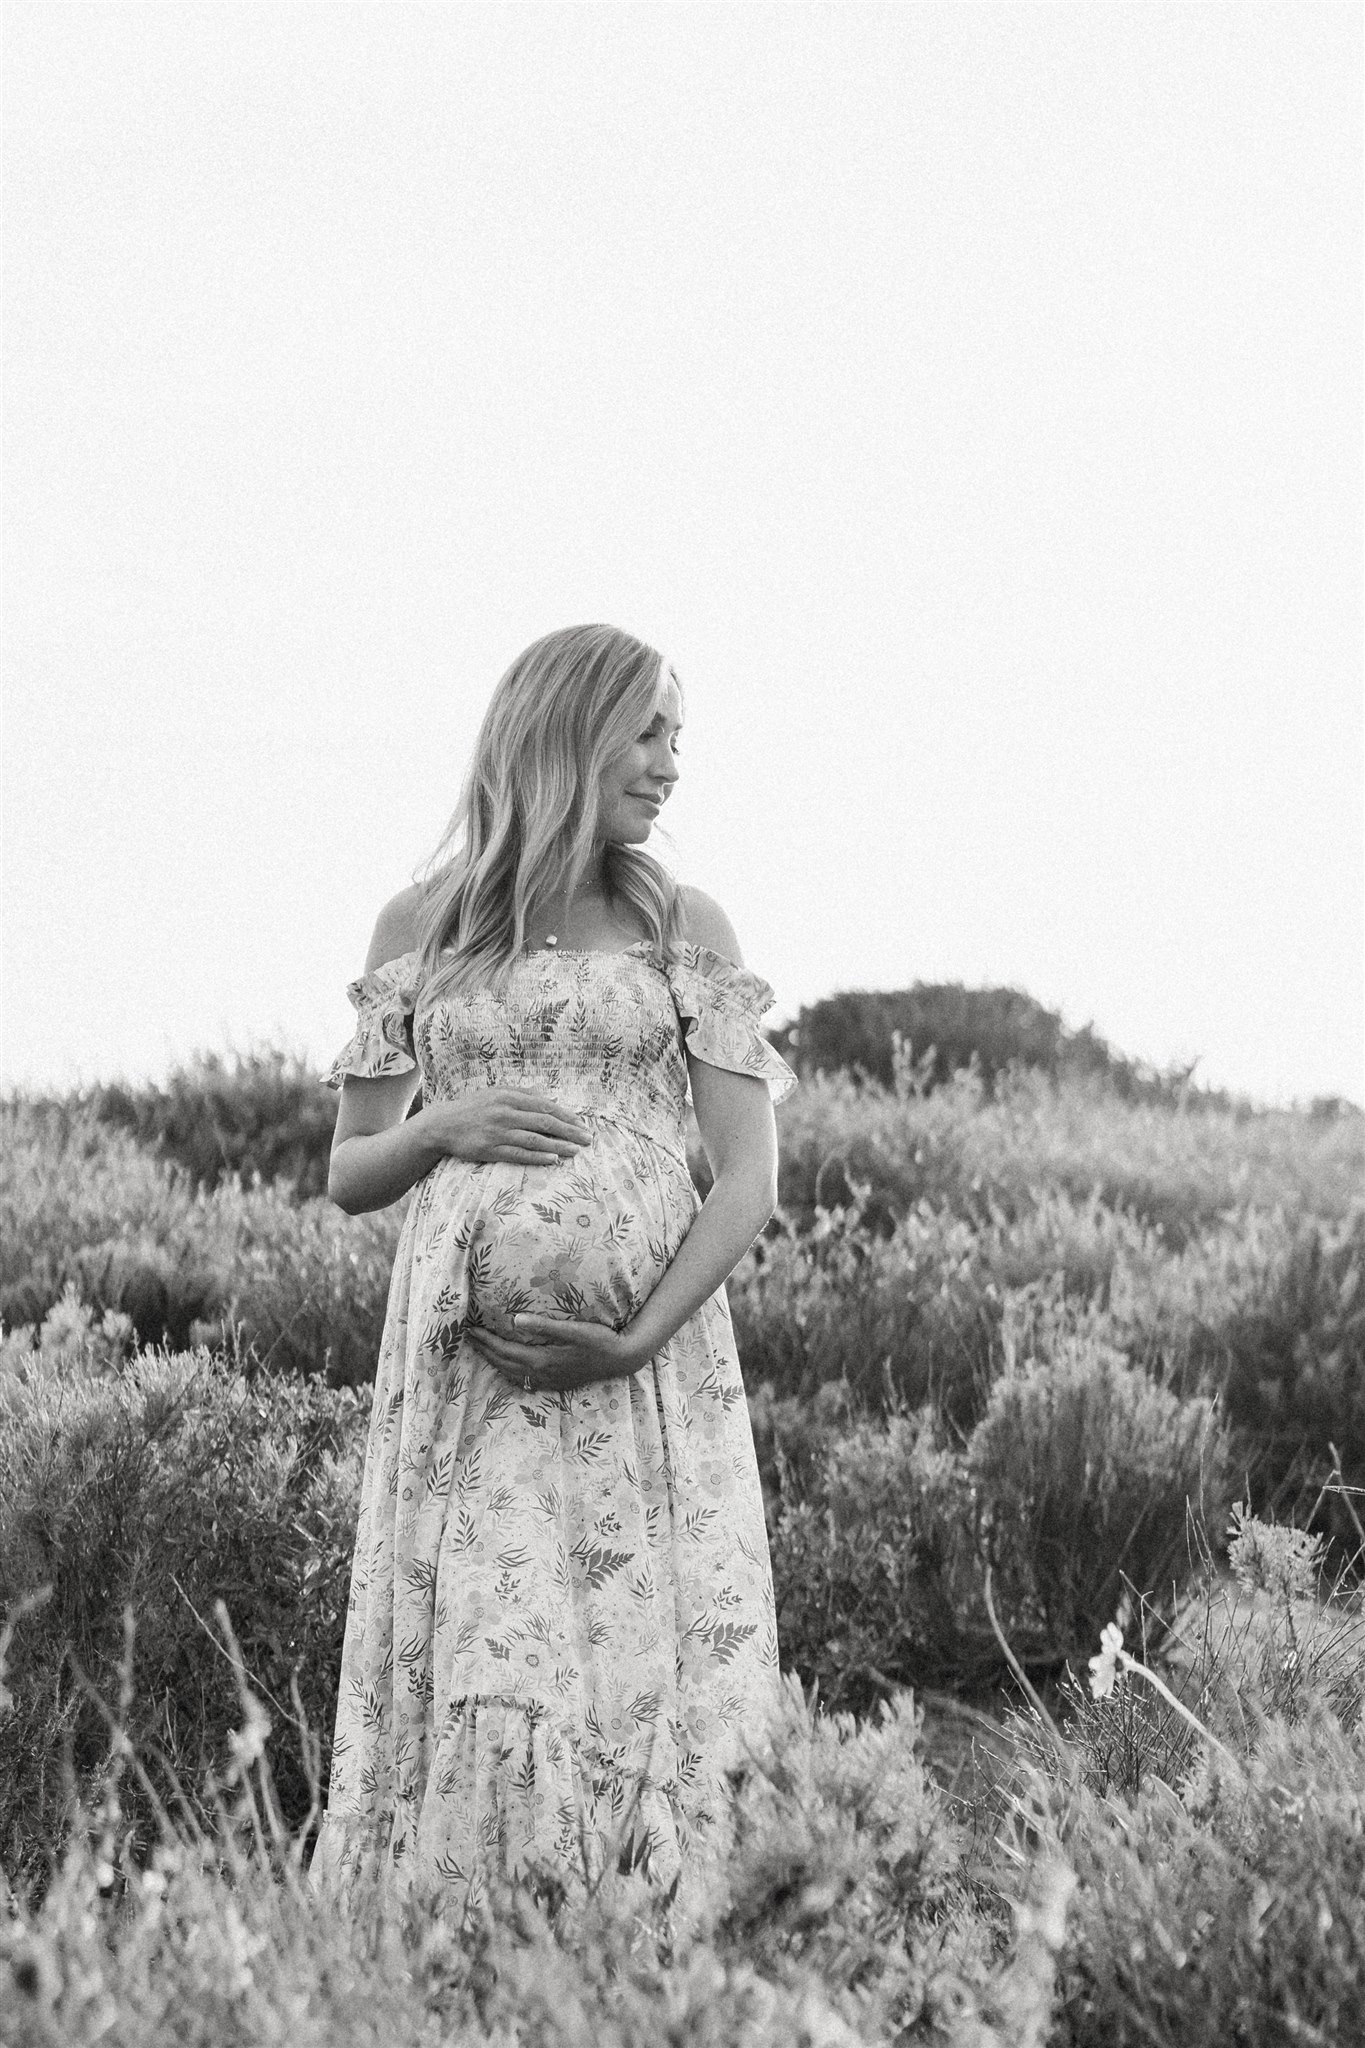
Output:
[[561, 1620]]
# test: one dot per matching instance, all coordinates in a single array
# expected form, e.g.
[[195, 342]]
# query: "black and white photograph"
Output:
[[682, 1024]]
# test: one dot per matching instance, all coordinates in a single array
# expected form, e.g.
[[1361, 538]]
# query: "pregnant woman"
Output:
[[561, 1621]]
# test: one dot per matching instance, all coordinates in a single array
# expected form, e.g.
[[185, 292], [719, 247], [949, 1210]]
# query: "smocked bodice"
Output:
[[605, 1033]]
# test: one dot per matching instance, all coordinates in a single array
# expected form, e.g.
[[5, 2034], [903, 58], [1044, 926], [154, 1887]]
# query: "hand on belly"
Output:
[[565, 1244], [555, 1355]]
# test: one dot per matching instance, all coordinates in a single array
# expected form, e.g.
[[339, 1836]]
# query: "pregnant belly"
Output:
[[587, 1238]]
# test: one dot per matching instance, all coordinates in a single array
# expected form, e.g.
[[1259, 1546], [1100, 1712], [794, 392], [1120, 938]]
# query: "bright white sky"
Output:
[[967, 398]]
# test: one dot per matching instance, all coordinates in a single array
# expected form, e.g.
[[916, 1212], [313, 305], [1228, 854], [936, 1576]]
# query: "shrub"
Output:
[[837, 1915], [844, 1862], [1235, 1912], [84, 1211], [917, 1314], [1290, 1363], [874, 1570], [166, 1487], [952, 1028], [1082, 1478], [1265, 1315], [1177, 1172], [1220, 1880], [85, 1207], [901, 1319], [1270, 1638], [1276, 1641], [261, 1114], [303, 1287], [1086, 1475], [1268, 1312]]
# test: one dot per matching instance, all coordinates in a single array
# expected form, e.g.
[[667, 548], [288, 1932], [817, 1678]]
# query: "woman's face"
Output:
[[635, 784]]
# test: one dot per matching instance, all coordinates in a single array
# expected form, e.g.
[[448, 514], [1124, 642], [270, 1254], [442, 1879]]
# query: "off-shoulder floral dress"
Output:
[[561, 1624]]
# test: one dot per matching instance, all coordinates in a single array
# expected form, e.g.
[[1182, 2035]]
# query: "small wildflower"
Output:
[[1282, 1562], [1104, 1669], [1113, 1659], [248, 1744]]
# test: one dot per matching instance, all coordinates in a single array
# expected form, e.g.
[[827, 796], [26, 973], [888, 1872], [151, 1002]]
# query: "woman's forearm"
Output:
[[369, 1172], [729, 1220]]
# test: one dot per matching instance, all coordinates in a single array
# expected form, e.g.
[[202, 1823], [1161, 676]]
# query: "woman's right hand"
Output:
[[510, 1126]]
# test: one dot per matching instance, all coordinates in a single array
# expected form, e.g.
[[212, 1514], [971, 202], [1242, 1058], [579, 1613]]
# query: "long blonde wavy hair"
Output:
[[526, 824]]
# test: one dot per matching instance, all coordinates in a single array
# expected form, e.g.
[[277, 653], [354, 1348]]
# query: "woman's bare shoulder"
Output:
[[705, 924], [395, 930]]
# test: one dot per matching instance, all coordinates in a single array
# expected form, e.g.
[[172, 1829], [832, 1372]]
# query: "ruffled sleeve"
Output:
[[381, 1043], [719, 1005]]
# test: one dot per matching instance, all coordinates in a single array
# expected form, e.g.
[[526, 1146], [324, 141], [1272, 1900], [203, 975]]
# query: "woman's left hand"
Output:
[[556, 1356]]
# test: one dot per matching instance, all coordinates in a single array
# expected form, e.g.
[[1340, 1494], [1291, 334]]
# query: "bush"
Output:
[[304, 1288], [1235, 1912], [83, 1209], [165, 1487], [1086, 1476], [917, 1314], [1265, 1315], [1219, 1893], [1268, 1313], [899, 1320], [844, 1862], [261, 1114], [1082, 1478], [952, 1028], [1268, 1640], [837, 1914], [1288, 1644], [1176, 1172], [1290, 1363], [874, 1570]]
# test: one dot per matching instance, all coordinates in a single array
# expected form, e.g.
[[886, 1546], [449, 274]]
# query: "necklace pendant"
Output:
[[551, 939]]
